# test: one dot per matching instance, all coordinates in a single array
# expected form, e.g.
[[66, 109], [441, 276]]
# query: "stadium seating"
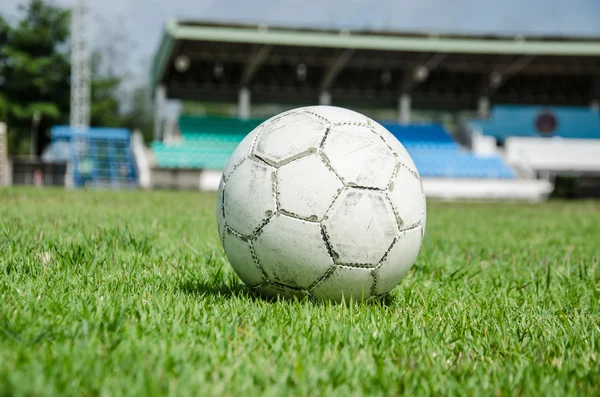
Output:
[[207, 143], [528, 121], [191, 126], [436, 154], [424, 136]]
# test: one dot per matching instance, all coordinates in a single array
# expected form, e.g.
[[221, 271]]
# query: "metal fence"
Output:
[[32, 171], [100, 157]]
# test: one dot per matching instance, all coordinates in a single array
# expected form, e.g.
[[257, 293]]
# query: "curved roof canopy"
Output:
[[210, 61]]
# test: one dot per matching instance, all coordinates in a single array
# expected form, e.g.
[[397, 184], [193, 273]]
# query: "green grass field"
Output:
[[112, 293]]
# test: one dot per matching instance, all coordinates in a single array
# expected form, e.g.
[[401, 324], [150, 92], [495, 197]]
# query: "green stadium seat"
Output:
[[207, 143]]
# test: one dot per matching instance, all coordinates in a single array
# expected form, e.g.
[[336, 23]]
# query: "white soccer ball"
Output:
[[321, 201]]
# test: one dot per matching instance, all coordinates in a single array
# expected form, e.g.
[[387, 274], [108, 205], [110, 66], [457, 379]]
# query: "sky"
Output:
[[135, 26]]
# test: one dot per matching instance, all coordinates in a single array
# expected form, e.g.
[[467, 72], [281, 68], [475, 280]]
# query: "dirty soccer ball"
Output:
[[321, 201]]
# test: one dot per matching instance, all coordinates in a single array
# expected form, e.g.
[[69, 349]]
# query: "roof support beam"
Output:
[[254, 63], [498, 78], [420, 73], [334, 69]]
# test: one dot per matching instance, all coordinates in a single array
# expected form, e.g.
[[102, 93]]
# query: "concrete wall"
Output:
[[176, 179], [555, 155]]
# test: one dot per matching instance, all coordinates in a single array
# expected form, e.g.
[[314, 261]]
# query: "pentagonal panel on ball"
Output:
[[345, 283], [248, 198], [240, 257], [288, 137], [359, 156], [399, 260], [306, 188], [241, 152], [292, 251], [406, 194], [360, 226]]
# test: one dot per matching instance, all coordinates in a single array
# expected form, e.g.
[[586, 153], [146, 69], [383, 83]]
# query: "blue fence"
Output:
[[100, 157]]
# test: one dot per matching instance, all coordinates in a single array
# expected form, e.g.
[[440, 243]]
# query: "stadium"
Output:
[[114, 278], [545, 90]]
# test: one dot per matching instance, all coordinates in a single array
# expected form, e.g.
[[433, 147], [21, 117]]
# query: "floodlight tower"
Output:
[[80, 67]]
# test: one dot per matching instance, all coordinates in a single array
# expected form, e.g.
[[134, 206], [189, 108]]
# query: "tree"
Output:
[[139, 115], [118, 97], [4, 34], [104, 110], [35, 73], [35, 69]]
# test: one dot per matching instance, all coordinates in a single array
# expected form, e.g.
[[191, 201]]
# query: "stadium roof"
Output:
[[211, 61]]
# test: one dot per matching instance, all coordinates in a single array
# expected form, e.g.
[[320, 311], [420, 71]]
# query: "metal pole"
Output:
[[80, 68]]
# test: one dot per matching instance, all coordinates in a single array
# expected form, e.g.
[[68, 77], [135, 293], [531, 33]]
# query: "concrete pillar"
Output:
[[160, 96], [325, 98], [595, 105], [483, 107], [244, 104], [404, 109]]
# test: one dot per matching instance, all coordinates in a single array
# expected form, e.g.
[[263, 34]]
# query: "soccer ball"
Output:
[[321, 201]]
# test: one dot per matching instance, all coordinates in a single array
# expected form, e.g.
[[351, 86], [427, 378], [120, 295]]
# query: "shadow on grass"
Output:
[[201, 289], [219, 289]]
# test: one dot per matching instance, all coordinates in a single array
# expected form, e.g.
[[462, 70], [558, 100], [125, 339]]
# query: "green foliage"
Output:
[[35, 68], [3, 107], [115, 293], [139, 116], [104, 111], [35, 75]]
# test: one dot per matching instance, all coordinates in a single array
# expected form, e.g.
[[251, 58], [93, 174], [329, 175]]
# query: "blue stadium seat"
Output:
[[437, 155]]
